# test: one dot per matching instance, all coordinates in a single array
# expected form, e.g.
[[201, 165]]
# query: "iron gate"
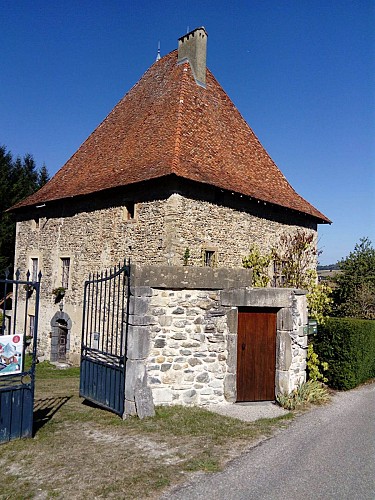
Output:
[[104, 338], [19, 306]]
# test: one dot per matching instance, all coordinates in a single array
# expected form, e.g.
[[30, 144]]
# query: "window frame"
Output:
[[31, 325], [129, 211], [65, 275], [34, 261], [209, 257]]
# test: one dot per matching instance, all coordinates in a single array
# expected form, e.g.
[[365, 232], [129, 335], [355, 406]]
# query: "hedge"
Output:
[[348, 346]]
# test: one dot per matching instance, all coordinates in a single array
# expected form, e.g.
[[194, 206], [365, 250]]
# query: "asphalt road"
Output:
[[327, 453]]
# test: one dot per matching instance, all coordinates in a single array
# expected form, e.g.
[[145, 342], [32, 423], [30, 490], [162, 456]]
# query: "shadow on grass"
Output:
[[97, 406], [44, 410]]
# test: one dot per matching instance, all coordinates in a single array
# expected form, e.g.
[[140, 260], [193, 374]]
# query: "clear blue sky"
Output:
[[301, 72]]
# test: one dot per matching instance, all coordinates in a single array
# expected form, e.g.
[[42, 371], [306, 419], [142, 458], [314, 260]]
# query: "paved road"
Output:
[[328, 453]]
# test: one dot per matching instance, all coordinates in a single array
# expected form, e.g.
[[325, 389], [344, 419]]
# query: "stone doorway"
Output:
[[61, 325]]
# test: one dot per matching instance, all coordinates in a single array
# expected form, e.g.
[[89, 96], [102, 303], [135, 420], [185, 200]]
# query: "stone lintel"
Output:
[[189, 277], [257, 297]]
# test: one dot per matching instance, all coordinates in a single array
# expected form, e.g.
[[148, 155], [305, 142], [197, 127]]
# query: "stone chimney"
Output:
[[192, 47]]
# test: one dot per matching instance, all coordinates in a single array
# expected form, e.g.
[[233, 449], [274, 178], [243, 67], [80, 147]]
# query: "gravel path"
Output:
[[249, 412]]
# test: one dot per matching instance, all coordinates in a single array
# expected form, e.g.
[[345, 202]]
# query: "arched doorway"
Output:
[[61, 325]]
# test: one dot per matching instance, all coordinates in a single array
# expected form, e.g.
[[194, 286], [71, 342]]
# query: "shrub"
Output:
[[259, 264], [315, 367], [348, 346], [308, 392]]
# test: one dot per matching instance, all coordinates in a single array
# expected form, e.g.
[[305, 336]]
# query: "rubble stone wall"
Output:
[[96, 234], [183, 341]]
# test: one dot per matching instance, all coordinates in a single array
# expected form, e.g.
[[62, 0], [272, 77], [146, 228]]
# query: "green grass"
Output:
[[47, 370], [92, 453]]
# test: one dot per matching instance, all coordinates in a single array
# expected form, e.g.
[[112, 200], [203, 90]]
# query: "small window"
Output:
[[65, 270], [129, 211], [31, 325], [34, 269], [209, 258]]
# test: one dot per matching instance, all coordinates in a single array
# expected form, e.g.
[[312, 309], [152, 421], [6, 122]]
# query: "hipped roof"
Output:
[[167, 124]]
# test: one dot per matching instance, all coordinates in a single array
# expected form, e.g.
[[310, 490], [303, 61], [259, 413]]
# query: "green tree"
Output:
[[354, 295], [18, 179], [43, 176]]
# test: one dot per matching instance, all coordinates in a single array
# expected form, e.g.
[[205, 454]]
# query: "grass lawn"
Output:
[[82, 451]]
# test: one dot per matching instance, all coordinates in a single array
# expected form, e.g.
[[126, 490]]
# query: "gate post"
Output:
[[138, 395]]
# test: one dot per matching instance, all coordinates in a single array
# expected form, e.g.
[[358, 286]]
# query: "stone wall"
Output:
[[187, 360], [183, 340], [95, 233]]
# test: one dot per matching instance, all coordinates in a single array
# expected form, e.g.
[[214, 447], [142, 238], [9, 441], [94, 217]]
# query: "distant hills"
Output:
[[330, 267]]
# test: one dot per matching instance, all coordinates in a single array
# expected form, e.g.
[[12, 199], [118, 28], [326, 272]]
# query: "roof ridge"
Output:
[[176, 152]]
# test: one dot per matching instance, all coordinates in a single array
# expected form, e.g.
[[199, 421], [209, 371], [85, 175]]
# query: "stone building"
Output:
[[174, 166]]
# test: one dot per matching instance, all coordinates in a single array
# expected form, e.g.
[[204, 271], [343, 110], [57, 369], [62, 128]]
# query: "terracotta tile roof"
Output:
[[167, 124]]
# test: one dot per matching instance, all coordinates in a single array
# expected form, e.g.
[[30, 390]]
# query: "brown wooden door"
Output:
[[256, 355]]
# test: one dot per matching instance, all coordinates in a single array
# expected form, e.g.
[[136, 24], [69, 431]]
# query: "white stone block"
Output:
[[162, 395]]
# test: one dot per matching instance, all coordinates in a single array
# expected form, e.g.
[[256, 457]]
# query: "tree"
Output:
[[18, 179], [43, 176], [354, 295]]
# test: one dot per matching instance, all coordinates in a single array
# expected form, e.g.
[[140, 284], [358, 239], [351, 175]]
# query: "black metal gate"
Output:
[[19, 306], [104, 337]]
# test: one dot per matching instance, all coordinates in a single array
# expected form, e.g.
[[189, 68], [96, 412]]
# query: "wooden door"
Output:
[[62, 341], [256, 354]]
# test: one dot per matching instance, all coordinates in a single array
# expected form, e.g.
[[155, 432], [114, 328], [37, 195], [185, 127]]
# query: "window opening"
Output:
[[31, 325], [65, 262], [129, 210], [209, 258], [34, 269]]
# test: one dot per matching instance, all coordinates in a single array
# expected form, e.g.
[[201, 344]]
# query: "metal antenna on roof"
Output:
[[158, 56]]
